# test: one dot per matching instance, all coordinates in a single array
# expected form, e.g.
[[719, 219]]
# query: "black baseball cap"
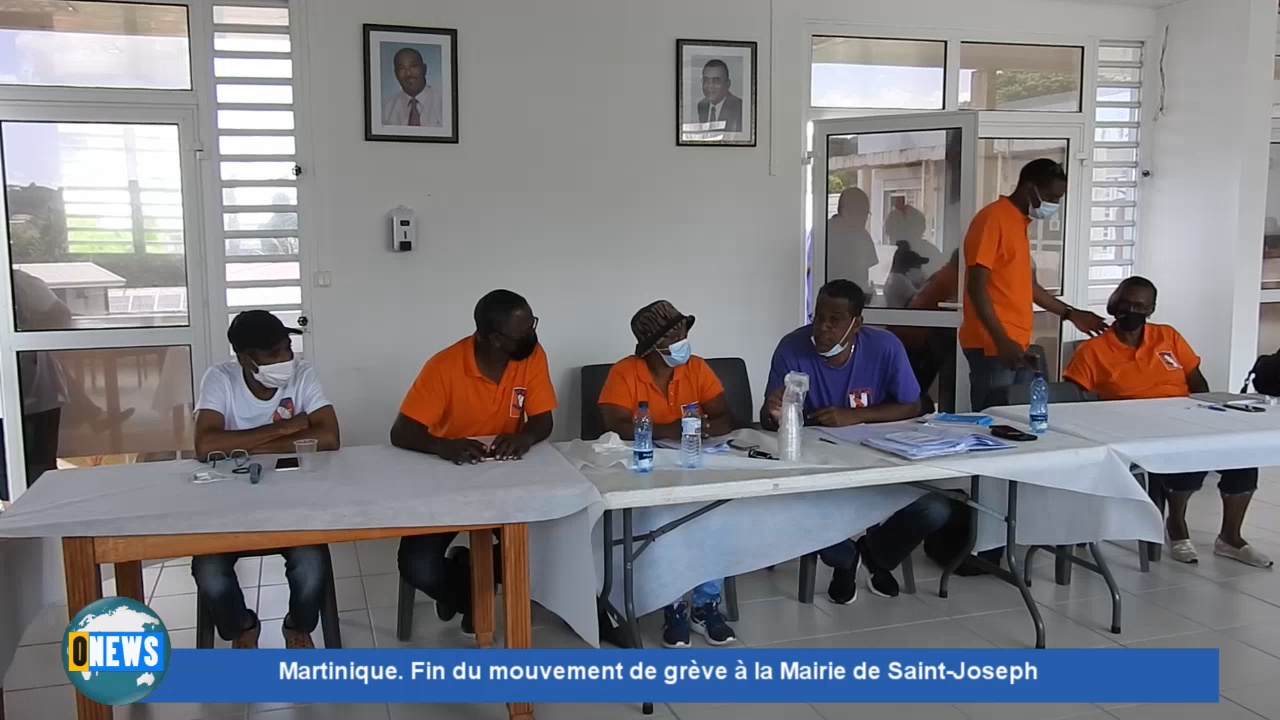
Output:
[[257, 330]]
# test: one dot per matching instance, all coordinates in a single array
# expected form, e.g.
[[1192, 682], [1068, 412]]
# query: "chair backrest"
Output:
[[732, 373]]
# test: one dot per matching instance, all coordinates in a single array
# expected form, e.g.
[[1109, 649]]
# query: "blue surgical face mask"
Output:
[[838, 347], [1045, 209], [678, 354]]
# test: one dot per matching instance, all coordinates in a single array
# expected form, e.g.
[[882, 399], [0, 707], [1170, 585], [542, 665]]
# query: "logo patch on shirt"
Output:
[[284, 411], [517, 402], [860, 398], [1170, 361]]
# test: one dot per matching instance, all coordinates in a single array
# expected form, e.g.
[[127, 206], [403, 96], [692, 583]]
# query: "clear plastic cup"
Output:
[[309, 458]]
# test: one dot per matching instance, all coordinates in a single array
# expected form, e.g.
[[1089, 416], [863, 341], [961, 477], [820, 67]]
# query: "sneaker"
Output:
[[458, 570], [880, 582], [1247, 554], [248, 639], [844, 585], [1183, 551], [710, 624], [675, 626]]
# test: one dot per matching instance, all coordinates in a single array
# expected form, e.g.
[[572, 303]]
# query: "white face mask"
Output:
[[838, 347], [276, 375]]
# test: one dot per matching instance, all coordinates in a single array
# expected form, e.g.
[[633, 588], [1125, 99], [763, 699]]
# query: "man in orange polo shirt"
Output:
[[1001, 285], [494, 383], [1137, 359], [666, 374]]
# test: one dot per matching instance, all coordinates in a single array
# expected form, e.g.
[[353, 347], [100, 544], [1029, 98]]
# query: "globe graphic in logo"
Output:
[[126, 685]]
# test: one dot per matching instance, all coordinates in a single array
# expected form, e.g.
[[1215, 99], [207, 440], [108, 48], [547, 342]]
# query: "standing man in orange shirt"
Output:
[[666, 374], [1001, 286], [493, 383], [1137, 359]]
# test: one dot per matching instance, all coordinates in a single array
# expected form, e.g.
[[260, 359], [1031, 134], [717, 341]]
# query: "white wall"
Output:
[[1206, 200], [567, 185]]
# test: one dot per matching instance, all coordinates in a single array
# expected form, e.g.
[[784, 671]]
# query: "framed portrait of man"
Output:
[[410, 84], [715, 93]]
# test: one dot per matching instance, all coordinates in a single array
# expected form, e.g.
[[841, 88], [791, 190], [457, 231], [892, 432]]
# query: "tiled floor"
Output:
[[1216, 604]]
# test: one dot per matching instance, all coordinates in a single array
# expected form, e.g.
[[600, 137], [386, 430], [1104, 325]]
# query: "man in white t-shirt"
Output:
[[262, 402]]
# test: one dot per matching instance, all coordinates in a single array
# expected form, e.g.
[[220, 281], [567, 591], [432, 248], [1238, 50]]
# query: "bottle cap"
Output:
[[644, 404]]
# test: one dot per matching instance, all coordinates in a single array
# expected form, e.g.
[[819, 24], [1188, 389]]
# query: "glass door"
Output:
[[900, 195], [104, 323]]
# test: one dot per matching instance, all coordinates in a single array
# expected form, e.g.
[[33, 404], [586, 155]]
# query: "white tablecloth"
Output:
[[1169, 435], [360, 487]]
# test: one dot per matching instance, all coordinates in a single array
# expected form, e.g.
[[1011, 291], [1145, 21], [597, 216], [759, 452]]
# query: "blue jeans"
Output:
[[987, 375], [422, 562], [890, 542], [305, 568], [707, 592]]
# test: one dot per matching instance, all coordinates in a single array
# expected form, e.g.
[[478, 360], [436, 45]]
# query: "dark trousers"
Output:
[[219, 588], [892, 541], [987, 376], [422, 562], [1232, 482], [40, 436]]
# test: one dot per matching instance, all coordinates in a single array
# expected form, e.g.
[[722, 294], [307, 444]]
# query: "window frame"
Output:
[[1084, 50]]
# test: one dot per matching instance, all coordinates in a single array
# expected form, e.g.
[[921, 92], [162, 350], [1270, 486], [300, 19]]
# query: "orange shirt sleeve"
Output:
[[709, 387], [428, 396], [1187, 357], [540, 395], [617, 390], [982, 241], [1082, 369]]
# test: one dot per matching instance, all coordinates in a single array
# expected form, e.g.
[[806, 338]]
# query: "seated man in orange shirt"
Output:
[[666, 374], [1136, 359], [493, 383]]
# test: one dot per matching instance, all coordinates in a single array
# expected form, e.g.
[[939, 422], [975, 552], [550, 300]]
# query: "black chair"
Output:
[[328, 609]]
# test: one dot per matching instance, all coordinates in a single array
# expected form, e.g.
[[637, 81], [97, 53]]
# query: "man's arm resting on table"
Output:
[[618, 419], [883, 413], [322, 426], [1196, 381], [211, 435]]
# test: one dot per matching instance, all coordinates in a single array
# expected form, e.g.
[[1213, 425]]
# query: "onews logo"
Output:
[[116, 650]]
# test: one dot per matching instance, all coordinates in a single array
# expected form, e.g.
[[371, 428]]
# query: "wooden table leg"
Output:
[[482, 601], [84, 585], [516, 610], [129, 581]]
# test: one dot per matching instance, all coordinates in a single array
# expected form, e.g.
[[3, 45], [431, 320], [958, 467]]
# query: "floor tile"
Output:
[[1140, 619], [177, 611], [974, 595], [383, 590], [377, 556], [272, 570], [1264, 586], [945, 633], [869, 611], [350, 592], [180, 711], [769, 621], [886, 711], [40, 704], [1239, 665], [1263, 699], [1224, 710], [763, 711], [1014, 629], [48, 626], [361, 711], [1263, 636], [544, 711], [1028, 711], [428, 631], [1214, 606], [273, 602], [175, 580], [357, 632], [37, 666], [345, 562]]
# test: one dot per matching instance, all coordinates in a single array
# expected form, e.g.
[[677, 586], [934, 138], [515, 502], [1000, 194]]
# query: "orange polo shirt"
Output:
[[455, 400], [1155, 369], [630, 383], [997, 240]]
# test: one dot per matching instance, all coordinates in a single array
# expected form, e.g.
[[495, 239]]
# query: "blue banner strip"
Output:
[[741, 675]]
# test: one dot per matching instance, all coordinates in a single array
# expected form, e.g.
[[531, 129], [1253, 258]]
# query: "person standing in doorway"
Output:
[[1001, 287]]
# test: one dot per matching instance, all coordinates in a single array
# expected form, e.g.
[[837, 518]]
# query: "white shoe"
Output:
[[1247, 554], [1183, 551]]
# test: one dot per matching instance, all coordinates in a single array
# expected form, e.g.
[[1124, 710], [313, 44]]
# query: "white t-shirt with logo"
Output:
[[223, 390]]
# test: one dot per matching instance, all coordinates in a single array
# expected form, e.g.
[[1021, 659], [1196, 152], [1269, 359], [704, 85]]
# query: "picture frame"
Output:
[[410, 84], [716, 93]]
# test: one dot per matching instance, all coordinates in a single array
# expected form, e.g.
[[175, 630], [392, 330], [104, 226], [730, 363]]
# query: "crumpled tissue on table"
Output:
[[604, 452]]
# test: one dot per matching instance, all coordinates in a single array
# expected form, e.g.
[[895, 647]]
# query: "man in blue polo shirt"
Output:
[[856, 375]]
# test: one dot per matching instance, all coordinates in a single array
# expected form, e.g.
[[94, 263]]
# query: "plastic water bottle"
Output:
[[791, 424], [1039, 405], [691, 437], [642, 445]]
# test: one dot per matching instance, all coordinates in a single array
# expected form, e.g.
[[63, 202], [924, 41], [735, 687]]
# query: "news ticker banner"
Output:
[[733, 675]]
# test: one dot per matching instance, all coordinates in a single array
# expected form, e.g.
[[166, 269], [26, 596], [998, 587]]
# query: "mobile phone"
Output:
[[287, 463], [1244, 408], [1008, 432]]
